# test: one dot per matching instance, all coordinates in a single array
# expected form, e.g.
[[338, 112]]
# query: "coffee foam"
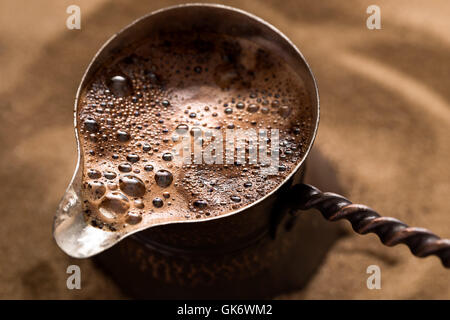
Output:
[[129, 114]]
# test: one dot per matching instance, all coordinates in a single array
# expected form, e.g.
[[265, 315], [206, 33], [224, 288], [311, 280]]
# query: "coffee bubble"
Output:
[[133, 218], [114, 204], [109, 175], [133, 158], [200, 204], [96, 189], [91, 125], [132, 186], [163, 178], [124, 167], [120, 86], [158, 202], [253, 108], [94, 174], [123, 136]]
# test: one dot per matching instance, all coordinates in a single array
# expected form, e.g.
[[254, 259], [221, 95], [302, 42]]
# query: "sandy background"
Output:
[[385, 120]]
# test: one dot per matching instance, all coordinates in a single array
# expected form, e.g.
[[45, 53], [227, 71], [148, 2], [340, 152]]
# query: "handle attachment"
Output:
[[391, 231]]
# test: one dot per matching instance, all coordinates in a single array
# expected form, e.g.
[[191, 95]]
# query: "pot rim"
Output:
[[314, 97]]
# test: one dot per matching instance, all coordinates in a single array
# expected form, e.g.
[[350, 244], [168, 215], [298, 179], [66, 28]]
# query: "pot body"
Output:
[[260, 253], [253, 253]]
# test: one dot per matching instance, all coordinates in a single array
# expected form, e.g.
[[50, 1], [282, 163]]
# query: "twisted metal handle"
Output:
[[391, 232]]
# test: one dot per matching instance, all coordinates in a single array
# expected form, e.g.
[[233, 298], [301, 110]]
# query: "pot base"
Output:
[[269, 267]]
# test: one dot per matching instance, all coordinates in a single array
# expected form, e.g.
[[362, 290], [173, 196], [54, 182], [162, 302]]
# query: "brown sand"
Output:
[[385, 127]]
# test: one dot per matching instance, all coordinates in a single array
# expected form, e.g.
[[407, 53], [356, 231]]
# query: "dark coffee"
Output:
[[133, 113]]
